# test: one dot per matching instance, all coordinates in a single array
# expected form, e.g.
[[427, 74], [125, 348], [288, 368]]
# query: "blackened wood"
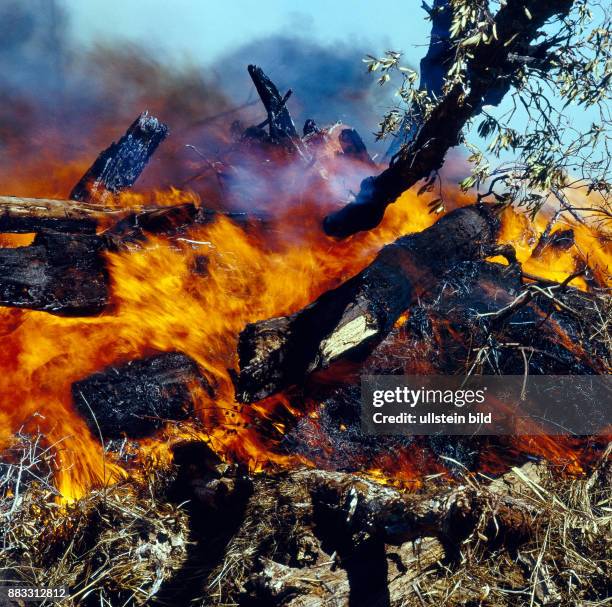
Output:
[[352, 145], [480, 306], [310, 128], [279, 120], [351, 319], [139, 397], [119, 166], [24, 215], [561, 240], [489, 71], [60, 273], [161, 220]]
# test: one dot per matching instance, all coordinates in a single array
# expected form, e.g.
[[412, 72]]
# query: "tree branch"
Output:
[[488, 71]]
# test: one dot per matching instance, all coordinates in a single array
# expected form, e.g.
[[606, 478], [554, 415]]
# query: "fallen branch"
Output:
[[23, 215]]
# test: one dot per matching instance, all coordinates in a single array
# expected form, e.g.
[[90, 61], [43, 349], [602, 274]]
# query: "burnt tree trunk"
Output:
[[352, 318], [120, 165]]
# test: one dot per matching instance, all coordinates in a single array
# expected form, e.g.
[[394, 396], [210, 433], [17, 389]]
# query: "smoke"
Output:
[[60, 105]]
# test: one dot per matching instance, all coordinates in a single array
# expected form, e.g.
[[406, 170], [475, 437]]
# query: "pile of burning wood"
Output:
[[201, 525]]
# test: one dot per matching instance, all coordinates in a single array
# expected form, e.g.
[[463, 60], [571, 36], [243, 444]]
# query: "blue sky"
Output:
[[202, 30]]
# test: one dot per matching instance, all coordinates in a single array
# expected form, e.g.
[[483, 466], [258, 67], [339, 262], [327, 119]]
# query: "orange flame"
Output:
[[162, 301]]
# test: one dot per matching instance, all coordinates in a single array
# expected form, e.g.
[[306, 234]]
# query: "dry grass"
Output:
[[119, 546], [567, 562], [114, 547]]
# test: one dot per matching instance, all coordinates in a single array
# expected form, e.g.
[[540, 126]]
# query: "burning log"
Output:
[[139, 397], [162, 220], [481, 318], [120, 165], [59, 273], [23, 215], [350, 319], [63, 270]]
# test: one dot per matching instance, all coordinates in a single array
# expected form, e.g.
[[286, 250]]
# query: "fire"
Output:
[[194, 294]]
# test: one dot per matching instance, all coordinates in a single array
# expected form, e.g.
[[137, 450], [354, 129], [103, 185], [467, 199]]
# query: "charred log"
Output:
[[476, 319], [490, 71], [163, 220], [351, 319], [139, 397], [368, 510], [59, 273], [120, 165], [63, 270]]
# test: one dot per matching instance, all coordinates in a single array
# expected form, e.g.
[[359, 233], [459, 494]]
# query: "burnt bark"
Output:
[[490, 72], [279, 120], [137, 398], [63, 270], [476, 319], [162, 220], [120, 165], [59, 273], [351, 319]]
